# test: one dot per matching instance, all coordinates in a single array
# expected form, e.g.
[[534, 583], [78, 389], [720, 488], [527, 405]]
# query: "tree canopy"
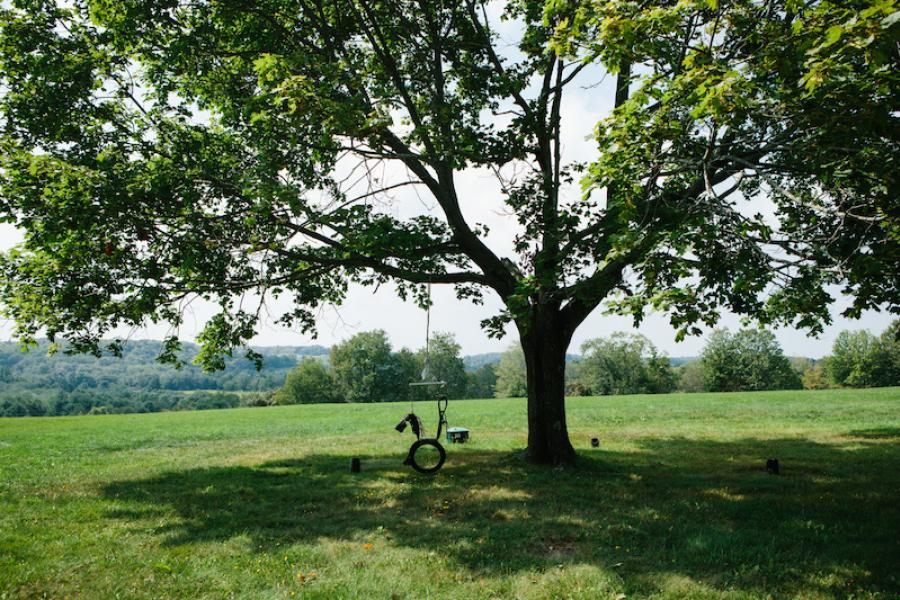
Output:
[[750, 359], [511, 379], [154, 151], [444, 363], [721, 103], [365, 369], [624, 364], [308, 383], [860, 359]]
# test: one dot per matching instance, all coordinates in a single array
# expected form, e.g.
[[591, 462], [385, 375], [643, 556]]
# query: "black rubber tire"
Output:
[[411, 457]]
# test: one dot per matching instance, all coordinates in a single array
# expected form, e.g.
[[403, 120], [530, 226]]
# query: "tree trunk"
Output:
[[545, 342]]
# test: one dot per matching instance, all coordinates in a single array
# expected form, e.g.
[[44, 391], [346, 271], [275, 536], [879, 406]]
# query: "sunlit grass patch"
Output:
[[260, 503]]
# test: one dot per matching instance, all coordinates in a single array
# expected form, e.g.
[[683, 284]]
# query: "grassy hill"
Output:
[[259, 503], [139, 369]]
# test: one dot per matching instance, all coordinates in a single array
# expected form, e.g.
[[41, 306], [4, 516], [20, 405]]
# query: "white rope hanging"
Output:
[[426, 374]]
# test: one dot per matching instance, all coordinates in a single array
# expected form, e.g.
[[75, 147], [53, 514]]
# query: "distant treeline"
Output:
[[746, 360], [33, 383], [365, 368]]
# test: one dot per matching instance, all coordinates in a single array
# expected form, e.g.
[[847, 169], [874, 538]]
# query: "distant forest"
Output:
[[34, 383], [365, 368]]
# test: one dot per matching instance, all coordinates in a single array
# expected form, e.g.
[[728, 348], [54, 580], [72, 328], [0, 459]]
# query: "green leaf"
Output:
[[891, 19], [832, 35]]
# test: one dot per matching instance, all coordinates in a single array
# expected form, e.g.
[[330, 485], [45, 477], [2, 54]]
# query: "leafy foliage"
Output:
[[750, 359], [624, 364], [365, 370], [860, 359], [138, 368], [81, 401], [309, 382], [815, 378], [811, 372], [481, 382], [730, 101], [62, 383], [691, 377], [154, 152], [444, 364], [36, 383], [511, 376]]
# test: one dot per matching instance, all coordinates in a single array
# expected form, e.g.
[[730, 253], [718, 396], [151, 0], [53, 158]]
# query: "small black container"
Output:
[[595, 442], [355, 465]]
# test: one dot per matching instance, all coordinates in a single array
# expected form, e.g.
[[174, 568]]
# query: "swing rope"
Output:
[[426, 373]]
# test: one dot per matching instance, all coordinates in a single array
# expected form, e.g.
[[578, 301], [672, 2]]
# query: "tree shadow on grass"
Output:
[[876, 433], [673, 508]]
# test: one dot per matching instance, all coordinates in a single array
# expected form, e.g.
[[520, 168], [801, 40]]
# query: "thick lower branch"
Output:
[[363, 262]]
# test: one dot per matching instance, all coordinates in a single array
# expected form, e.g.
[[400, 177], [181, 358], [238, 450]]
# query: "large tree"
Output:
[[624, 364], [748, 360], [309, 382], [366, 370], [859, 359], [155, 151], [441, 362]]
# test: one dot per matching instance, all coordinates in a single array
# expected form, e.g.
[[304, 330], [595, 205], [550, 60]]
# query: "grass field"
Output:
[[259, 503]]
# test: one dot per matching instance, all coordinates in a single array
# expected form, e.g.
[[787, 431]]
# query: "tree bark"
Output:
[[544, 342]]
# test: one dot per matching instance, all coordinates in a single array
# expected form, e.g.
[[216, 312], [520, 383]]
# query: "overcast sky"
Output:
[[365, 309]]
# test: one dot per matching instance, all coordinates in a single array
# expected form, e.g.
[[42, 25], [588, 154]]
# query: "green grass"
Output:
[[249, 502]]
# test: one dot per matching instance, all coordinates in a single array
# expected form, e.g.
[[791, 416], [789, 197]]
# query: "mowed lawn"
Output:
[[260, 503]]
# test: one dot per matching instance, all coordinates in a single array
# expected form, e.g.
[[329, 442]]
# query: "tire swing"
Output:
[[426, 455]]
